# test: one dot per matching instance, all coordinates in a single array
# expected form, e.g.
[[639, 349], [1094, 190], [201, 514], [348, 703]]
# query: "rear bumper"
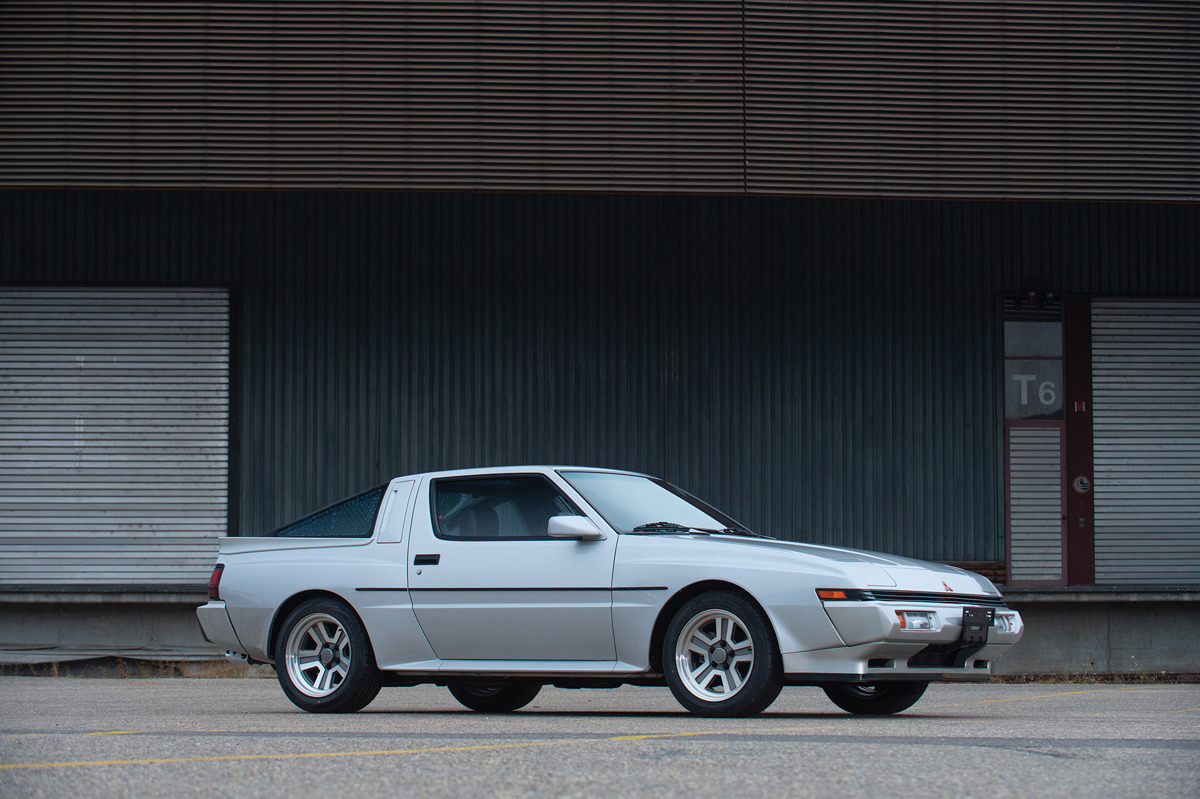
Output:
[[218, 630]]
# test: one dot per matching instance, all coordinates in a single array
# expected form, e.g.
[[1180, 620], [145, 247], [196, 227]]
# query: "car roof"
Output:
[[498, 470]]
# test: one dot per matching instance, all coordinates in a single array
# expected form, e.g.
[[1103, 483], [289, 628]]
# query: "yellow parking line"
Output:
[[295, 756], [1068, 693], [100, 732], [383, 752]]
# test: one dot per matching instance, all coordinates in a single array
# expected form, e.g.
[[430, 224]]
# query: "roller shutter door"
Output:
[[1146, 411], [1035, 503], [114, 436]]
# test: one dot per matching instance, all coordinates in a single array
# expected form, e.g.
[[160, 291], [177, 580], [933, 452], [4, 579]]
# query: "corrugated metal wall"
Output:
[[822, 369], [1024, 99], [967, 99]]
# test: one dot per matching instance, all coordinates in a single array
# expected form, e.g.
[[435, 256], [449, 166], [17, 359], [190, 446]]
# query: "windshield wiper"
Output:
[[743, 531], [670, 527], [676, 527]]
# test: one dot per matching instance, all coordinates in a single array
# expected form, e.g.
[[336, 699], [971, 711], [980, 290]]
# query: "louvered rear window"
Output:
[[353, 518]]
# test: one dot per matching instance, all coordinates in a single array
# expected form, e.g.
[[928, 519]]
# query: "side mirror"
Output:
[[581, 528]]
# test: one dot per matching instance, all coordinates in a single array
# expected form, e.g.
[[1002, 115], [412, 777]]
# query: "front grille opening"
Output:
[[934, 656], [880, 663], [980, 600], [981, 664]]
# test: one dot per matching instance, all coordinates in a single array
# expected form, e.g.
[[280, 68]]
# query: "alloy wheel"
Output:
[[714, 655], [317, 655]]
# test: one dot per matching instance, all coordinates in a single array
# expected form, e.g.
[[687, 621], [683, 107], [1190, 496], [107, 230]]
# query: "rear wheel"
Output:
[[323, 658], [875, 699], [495, 697], [720, 657]]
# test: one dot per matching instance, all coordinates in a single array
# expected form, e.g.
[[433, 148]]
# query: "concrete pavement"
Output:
[[236, 737]]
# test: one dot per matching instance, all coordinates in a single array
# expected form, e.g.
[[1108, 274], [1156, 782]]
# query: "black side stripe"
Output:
[[573, 588]]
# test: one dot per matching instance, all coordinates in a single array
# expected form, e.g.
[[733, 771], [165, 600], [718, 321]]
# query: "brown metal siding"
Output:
[[968, 99], [937, 99], [634, 96]]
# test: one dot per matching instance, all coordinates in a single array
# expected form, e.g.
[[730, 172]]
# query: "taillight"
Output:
[[214, 582]]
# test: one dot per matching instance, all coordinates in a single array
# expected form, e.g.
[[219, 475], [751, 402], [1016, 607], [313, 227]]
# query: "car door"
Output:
[[488, 583]]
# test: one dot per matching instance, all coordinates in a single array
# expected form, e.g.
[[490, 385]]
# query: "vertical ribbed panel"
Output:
[[931, 98], [1035, 503], [822, 370], [1146, 432], [114, 435]]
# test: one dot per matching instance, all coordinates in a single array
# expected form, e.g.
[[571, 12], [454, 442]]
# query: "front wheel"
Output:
[[875, 699], [720, 657], [324, 660], [496, 697]]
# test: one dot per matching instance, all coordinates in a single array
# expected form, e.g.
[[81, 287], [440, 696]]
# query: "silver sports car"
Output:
[[495, 582]]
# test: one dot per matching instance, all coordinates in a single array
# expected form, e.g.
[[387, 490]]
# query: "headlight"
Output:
[[1004, 622], [918, 620]]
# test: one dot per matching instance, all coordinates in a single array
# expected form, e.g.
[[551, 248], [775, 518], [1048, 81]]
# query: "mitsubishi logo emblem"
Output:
[[946, 585]]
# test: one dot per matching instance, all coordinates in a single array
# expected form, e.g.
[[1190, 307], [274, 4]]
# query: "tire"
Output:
[[720, 658], [875, 699], [495, 697], [323, 658]]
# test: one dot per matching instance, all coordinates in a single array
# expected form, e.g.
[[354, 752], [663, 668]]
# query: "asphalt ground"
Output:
[[94, 737]]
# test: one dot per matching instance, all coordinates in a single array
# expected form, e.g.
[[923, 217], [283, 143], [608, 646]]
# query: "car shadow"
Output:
[[639, 714]]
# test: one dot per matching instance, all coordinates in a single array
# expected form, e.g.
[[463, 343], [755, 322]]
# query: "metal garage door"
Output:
[[1035, 505], [114, 436], [1033, 442], [1146, 409]]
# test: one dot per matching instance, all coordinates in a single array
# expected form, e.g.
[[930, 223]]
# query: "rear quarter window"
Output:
[[351, 518]]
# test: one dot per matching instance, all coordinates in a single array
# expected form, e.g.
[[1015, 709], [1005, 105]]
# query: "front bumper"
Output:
[[879, 646]]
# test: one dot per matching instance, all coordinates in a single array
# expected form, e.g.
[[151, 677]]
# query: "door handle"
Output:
[[426, 560]]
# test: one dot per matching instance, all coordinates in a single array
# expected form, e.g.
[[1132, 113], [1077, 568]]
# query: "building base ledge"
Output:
[[102, 594], [1090, 593]]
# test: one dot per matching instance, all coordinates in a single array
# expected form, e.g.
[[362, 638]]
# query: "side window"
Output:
[[497, 507], [353, 518]]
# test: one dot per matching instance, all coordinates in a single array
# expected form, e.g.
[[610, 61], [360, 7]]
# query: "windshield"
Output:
[[632, 503]]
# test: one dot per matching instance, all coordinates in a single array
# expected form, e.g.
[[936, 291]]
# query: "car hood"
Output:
[[872, 569]]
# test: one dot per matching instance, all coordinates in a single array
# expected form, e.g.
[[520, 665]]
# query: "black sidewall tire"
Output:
[[765, 679], [495, 697], [887, 697], [363, 680]]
